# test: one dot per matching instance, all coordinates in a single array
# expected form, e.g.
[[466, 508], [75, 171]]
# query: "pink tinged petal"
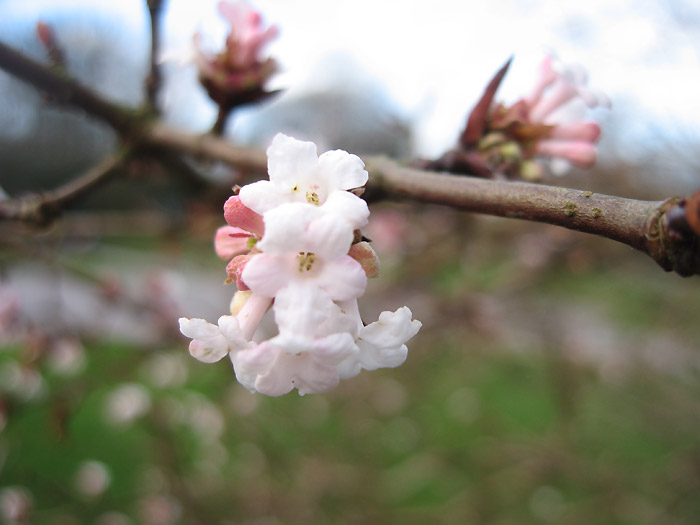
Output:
[[580, 131], [230, 241], [297, 371], [232, 12], [351, 207], [559, 94], [234, 330], [546, 75], [267, 274], [342, 279], [251, 314], [581, 154], [363, 253], [240, 216], [208, 345], [341, 170], [289, 159], [235, 268], [334, 348], [256, 360]]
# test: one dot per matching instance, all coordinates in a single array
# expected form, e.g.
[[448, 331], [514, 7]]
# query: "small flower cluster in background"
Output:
[[237, 75], [547, 124], [295, 247]]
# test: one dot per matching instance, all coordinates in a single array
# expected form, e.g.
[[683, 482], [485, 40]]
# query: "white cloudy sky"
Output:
[[435, 57]]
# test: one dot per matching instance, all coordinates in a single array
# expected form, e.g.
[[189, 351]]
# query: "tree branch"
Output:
[[665, 230], [154, 78], [647, 226], [65, 90], [43, 208]]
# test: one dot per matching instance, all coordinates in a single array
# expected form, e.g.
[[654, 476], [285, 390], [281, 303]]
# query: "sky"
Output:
[[434, 58]]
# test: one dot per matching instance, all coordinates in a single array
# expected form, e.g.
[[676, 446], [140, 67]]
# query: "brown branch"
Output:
[[660, 229], [65, 90], [154, 79], [43, 208], [644, 225]]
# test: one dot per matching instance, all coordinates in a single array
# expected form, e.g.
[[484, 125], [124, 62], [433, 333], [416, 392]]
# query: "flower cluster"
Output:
[[237, 74], [546, 124], [295, 247], [549, 121]]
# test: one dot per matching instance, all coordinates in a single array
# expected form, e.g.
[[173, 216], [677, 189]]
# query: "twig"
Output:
[[43, 208], [154, 79], [66, 90]]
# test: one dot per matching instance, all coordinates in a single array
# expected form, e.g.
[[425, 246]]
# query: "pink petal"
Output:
[[240, 216], [581, 154], [230, 241]]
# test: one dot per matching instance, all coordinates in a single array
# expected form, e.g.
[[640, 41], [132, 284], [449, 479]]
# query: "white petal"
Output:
[[289, 159], [373, 357], [285, 227], [208, 344], [382, 343], [230, 329], [297, 371], [267, 274], [256, 360], [342, 279], [329, 236], [262, 196], [391, 329], [334, 349], [300, 308], [341, 170], [351, 207]]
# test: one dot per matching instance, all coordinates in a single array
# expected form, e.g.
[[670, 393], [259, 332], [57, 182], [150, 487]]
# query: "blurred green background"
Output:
[[555, 380]]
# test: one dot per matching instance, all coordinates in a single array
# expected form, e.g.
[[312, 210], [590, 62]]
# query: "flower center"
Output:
[[313, 198], [306, 261]]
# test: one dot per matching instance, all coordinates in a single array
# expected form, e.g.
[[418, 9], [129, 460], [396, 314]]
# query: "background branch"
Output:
[[154, 78], [43, 208]]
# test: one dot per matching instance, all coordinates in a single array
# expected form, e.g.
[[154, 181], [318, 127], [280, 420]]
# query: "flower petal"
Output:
[[267, 274], [342, 279], [288, 159], [341, 170]]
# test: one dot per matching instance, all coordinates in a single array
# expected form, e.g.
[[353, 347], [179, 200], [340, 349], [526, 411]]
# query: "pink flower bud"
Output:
[[581, 154], [235, 269], [240, 216], [230, 241], [579, 131]]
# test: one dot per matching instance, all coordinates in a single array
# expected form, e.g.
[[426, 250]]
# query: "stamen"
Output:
[[306, 261], [313, 198]]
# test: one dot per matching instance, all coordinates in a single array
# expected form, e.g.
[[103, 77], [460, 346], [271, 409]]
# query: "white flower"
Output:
[[304, 221], [306, 248], [382, 343], [278, 369], [298, 174], [211, 342]]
